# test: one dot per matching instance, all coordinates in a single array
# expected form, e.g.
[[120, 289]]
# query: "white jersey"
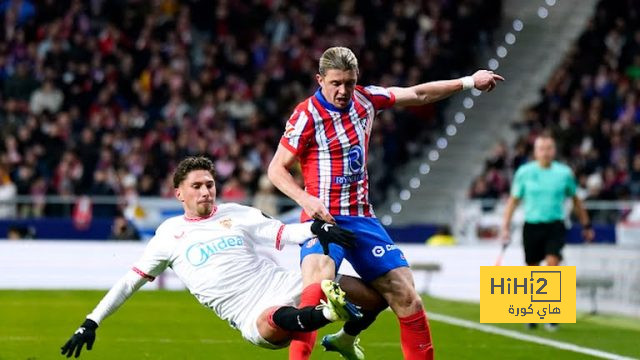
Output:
[[215, 257]]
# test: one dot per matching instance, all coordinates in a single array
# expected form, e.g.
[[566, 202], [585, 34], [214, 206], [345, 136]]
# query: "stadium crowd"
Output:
[[105, 97], [591, 106]]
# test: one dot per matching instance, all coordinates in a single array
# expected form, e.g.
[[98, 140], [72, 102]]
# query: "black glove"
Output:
[[86, 334], [330, 233]]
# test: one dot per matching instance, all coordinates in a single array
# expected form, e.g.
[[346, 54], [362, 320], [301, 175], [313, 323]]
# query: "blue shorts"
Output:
[[374, 255]]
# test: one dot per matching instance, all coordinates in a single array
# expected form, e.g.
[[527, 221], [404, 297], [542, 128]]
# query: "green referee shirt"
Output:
[[543, 190]]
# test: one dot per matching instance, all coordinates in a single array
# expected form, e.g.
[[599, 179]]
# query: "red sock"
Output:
[[303, 342], [416, 337]]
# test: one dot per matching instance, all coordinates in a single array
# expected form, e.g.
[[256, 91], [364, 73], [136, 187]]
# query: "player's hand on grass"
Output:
[[86, 334], [329, 233], [315, 208], [485, 80]]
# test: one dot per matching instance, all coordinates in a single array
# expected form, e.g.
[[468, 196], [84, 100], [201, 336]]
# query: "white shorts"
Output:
[[284, 290]]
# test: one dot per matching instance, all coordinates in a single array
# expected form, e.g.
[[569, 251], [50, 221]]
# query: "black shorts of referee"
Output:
[[542, 239]]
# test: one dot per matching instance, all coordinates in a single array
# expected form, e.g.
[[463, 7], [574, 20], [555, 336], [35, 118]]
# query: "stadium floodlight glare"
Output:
[[405, 195], [386, 220], [425, 168], [434, 155], [509, 38], [459, 117], [476, 92], [442, 143], [518, 25], [551, 2], [501, 51], [493, 64], [451, 130], [396, 207], [467, 103], [414, 183], [543, 12]]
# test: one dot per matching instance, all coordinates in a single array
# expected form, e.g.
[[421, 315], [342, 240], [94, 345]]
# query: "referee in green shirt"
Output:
[[544, 185]]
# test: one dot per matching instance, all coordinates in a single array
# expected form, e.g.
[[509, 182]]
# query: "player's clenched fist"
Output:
[[485, 80], [315, 208], [86, 334], [330, 233]]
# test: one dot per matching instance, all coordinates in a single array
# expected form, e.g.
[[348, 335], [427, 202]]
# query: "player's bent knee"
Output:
[[405, 303], [276, 337]]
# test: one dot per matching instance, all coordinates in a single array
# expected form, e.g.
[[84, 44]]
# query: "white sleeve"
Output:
[[153, 262], [271, 231], [118, 294]]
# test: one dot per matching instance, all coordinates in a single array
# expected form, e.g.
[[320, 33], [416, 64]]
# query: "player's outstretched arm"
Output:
[[117, 295], [265, 229], [433, 91]]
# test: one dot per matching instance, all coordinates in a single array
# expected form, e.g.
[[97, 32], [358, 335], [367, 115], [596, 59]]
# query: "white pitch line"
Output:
[[524, 337]]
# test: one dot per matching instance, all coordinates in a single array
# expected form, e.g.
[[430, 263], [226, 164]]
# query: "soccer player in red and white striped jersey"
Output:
[[328, 133]]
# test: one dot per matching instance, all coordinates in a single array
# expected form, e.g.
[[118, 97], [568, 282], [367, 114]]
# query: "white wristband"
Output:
[[467, 83]]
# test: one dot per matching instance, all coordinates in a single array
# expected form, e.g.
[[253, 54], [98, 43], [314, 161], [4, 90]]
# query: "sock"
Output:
[[354, 327], [416, 337], [303, 342], [306, 319], [343, 338]]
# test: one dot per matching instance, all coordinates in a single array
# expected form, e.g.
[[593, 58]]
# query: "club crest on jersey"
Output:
[[198, 253], [226, 223]]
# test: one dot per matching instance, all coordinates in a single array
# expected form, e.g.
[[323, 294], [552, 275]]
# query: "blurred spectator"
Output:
[[122, 229], [265, 198], [8, 192], [102, 188], [132, 87], [46, 98], [17, 232]]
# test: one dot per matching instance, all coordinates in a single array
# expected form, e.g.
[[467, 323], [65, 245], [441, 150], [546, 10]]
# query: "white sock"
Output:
[[344, 338], [328, 314]]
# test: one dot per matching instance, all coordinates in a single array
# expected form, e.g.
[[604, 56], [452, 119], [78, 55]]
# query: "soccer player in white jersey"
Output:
[[328, 134], [212, 250]]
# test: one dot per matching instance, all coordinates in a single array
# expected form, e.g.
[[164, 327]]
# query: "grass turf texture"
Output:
[[172, 325]]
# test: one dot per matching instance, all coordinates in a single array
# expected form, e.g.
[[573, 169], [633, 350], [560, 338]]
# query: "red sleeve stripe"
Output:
[[143, 274], [286, 144], [279, 237]]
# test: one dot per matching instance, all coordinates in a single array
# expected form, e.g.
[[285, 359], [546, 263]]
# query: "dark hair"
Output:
[[546, 134], [190, 164]]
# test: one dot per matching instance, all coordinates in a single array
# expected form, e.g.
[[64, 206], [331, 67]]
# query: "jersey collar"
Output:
[[329, 106], [213, 211]]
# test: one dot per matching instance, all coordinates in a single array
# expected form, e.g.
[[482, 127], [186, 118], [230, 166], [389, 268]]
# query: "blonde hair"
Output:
[[339, 58]]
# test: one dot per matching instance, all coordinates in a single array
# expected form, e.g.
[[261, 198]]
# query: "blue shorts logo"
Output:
[[356, 159], [378, 251]]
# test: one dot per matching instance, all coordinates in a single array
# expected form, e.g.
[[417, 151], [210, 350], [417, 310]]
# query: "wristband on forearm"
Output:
[[467, 83]]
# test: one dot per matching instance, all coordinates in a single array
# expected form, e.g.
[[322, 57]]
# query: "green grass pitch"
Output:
[[172, 325]]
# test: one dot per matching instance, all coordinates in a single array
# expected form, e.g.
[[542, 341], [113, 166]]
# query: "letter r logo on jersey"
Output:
[[356, 159]]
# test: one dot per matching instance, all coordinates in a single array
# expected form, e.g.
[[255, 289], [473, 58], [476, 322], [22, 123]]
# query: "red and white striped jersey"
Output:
[[332, 146]]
